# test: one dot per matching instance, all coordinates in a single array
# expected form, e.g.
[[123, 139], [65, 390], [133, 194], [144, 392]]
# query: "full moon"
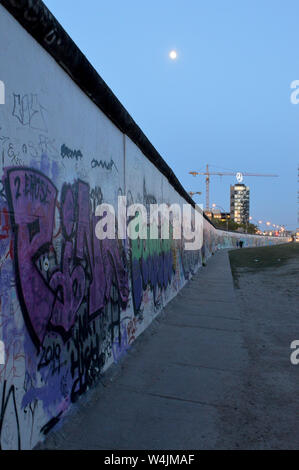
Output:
[[173, 54]]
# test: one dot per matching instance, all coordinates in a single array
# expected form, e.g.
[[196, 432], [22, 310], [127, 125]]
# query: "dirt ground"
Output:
[[266, 409]]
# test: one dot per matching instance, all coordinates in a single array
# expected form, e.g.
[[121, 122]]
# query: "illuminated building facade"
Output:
[[239, 203]]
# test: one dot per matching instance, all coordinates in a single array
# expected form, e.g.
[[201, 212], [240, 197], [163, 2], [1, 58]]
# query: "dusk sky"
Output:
[[224, 101]]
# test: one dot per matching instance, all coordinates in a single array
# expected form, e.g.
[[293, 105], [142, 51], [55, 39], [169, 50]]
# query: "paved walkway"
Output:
[[171, 390]]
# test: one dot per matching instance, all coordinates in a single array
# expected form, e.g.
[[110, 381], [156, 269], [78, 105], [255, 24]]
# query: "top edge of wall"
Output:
[[39, 22]]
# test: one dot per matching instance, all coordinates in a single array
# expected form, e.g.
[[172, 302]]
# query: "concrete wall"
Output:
[[71, 305]]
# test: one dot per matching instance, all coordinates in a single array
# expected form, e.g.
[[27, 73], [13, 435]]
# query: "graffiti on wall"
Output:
[[71, 289], [51, 288], [71, 286], [73, 292]]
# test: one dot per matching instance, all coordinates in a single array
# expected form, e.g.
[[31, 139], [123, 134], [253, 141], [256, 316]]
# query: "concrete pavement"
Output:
[[170, 390]]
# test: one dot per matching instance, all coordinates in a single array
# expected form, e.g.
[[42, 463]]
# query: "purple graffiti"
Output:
[[32, 197], [71, 288], [155, 269], [120, 348], [51, 292]]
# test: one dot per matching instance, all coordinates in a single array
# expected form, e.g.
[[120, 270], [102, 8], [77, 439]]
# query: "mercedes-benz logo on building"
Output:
[[239, 177]]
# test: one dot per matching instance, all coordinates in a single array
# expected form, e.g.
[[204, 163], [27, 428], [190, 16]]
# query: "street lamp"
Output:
[[258, 222]]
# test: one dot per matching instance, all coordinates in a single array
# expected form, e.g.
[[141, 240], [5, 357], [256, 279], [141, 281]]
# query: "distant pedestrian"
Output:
[[237, 243], [241, 243]]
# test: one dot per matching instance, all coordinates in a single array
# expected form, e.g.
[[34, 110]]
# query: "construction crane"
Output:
[[239, 175]]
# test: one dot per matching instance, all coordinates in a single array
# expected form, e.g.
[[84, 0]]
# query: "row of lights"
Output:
[[279, 228]]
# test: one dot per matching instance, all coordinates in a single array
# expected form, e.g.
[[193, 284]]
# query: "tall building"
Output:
[[239, 203]]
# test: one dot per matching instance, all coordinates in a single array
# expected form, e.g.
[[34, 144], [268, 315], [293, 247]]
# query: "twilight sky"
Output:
[[226, 99]]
